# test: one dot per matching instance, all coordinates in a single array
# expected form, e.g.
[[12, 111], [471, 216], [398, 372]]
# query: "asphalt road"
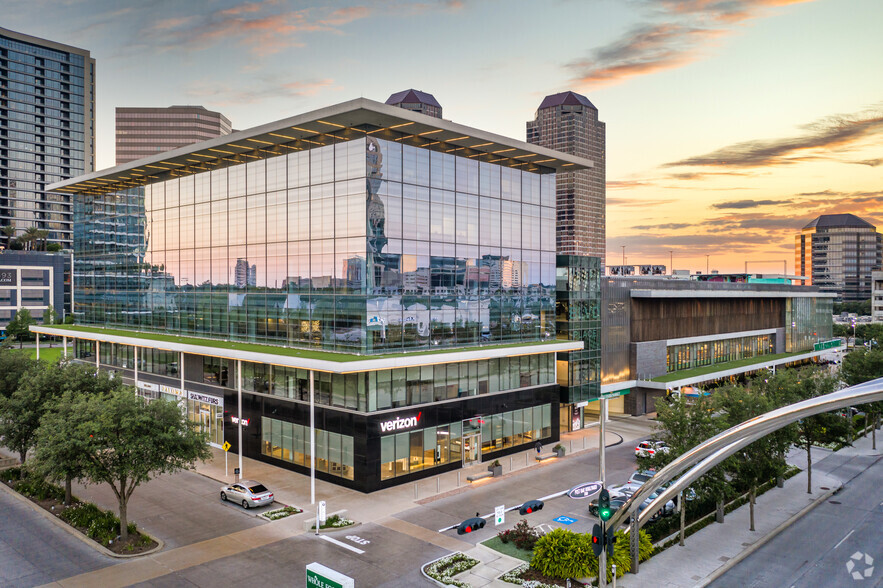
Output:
[[817, 549]]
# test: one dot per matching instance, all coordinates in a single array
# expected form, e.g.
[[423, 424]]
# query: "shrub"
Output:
[[523, 536], [100, 525], [12, 474], [38, 488], [445, 568], [563, 554]]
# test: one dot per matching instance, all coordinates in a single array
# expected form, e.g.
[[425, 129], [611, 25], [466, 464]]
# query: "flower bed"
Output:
[[335, 522], [523, 575], [99, 525], [443, 570], [281, 513]]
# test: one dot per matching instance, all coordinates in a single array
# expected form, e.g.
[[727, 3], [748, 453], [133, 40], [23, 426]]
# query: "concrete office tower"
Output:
[[568, 122], [141, 132], [416, 101], [837, 253], [47, 131]]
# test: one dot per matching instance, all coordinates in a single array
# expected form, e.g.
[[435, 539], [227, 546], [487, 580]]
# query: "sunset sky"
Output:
[[730, 123]]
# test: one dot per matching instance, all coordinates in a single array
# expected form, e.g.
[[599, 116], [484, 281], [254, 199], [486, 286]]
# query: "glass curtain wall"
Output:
[[291, 442], [690, 355], [362, 246]]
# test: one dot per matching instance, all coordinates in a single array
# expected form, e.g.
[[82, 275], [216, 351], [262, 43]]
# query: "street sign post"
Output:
[[499, 515], [226, 448]]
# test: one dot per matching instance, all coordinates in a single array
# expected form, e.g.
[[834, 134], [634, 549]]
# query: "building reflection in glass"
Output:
[[363, 246]]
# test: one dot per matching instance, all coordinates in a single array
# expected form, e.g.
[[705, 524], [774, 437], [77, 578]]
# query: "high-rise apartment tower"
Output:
[[141, 132], [416, 101], [568, 122], [47, 131]]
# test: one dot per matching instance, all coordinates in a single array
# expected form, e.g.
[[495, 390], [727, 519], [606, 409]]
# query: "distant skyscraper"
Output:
[[141, 132], [244, 274], [837, 252], [47, 127], [416, 101], [568, 122]]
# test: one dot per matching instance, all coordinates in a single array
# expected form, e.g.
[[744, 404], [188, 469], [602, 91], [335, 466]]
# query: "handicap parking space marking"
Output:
[[342, 544], [565, 520]]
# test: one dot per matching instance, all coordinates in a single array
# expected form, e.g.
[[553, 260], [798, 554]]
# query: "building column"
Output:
[[97, 354], [313, 440], [239, 410], [136, 365], [38, 345], [64, 342]]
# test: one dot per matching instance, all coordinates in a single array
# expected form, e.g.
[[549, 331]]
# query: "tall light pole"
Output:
[[623, 254]]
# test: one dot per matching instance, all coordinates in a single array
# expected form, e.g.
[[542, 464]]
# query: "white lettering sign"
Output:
[[236, 420], [400, 423], [170, 390], [205, 398], [148, 386]]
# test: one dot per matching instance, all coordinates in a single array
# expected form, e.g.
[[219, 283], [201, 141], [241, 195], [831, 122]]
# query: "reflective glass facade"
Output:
[[364, 246], [690, 355], [46, 130], [578, 318]]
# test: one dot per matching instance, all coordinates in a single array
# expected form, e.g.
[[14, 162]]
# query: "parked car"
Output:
[[650, 447], [248, 493], [641, 476]]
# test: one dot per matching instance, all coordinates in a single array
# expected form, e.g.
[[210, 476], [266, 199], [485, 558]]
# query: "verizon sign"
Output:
[[399, 423]]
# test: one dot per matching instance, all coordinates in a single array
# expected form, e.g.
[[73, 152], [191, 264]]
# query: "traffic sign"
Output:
[[226, 446], [565, 520], [499, 515], [585, 490]]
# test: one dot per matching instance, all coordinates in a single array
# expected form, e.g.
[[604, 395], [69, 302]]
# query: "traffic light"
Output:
[[530, 506], [470, 525], [610, 542], [604, 510], [597, 540]]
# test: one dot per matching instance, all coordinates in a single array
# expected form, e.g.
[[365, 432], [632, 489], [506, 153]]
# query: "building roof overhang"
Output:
[[337, 123], [338, 363]]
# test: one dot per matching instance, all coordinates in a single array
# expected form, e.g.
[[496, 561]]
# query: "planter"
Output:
[[559, 452], [496, 470]]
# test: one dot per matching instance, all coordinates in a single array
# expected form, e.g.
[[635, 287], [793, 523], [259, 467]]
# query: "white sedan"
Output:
[[248, 493]]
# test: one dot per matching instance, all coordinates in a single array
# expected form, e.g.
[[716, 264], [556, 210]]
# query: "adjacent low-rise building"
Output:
[[661, 334], [31, 280]]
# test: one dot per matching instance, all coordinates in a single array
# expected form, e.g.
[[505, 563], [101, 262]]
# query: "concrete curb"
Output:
[[63, 525], [767, 538]]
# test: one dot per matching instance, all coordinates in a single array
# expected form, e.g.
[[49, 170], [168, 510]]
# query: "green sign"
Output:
[[318, 576], [614, 394], [827, 344]]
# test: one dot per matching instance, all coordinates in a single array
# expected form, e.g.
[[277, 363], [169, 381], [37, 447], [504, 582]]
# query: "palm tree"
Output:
[[41, 235], [29, 237], [9, 232]]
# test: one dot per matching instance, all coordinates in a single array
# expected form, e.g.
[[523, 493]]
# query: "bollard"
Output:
[[584, 442], [458, 479], [613, 569], [415, 491], [438, 485], [526, 458], [510, 463], [571, 446]]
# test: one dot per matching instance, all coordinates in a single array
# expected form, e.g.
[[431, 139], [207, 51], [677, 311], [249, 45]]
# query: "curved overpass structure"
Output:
[[698, 460]]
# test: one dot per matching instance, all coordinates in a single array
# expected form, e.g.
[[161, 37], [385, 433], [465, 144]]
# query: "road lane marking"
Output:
[[342, 544], [845, 538]]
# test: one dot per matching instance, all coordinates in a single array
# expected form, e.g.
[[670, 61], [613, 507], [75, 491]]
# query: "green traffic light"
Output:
[[604, 514]]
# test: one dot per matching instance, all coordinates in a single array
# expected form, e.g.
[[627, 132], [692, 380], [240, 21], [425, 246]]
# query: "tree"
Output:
[[18, 326], [13, 366], [788, 386], [118, 439], [861, 365], [683, 424], [765, 458]]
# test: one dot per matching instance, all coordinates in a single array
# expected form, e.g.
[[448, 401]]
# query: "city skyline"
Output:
[[765, 113]]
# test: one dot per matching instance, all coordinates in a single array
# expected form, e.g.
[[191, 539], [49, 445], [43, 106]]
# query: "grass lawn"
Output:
[[46, 354], [508, 549], [277, 350], [720, 367]]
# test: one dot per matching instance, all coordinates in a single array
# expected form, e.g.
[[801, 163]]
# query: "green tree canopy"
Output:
[[118, 439], [18, 326], [13, 366]]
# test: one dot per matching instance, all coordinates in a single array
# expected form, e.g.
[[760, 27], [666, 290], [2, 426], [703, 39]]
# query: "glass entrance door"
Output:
[[471, 449]]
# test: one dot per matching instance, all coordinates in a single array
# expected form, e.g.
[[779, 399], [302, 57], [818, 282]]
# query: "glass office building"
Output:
[[400, 267], [46, 131]]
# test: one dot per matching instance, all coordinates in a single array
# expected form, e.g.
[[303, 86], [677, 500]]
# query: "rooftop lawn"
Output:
[[274, 350], [721, 367]]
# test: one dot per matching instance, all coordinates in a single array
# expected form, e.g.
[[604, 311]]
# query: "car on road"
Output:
[[639, 477], [649, 448], [248, 493]]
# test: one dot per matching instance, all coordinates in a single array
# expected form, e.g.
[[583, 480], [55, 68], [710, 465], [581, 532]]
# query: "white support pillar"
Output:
[[97, 354], [38, 345], [312, 439], [239, 410], [64, 342], [136, 366], [181, 372]]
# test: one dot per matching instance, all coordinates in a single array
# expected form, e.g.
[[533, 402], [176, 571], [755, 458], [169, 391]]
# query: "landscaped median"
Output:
[[94, 526]]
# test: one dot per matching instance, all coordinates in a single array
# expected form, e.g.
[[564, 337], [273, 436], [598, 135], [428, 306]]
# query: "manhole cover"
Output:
[[833, 502]]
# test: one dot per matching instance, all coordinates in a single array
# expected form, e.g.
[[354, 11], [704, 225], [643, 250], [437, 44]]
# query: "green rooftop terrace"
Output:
[[284, 351], [760, 361]]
